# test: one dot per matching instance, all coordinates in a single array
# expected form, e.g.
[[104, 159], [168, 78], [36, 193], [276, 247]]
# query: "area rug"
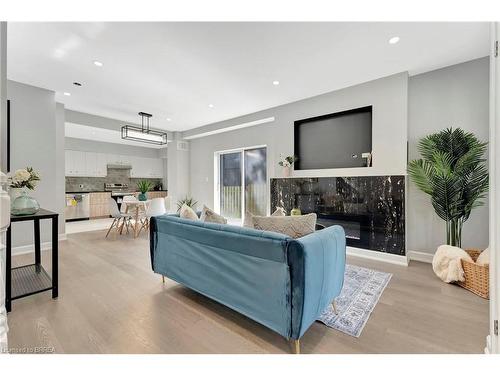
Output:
[[359, 296]]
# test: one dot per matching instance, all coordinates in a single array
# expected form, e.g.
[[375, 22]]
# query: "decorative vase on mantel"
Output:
[[286, 171], [23, 204]]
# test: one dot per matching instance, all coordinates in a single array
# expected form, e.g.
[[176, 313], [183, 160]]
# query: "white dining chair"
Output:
[[120, 219], [125, 199], [156, 208]]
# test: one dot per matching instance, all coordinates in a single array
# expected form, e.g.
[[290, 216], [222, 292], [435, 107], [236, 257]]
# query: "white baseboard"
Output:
[[420, 256], [26, 249], [400, 260]]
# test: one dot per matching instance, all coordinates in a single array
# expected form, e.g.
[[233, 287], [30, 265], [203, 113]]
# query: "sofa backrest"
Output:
[[247, 241]]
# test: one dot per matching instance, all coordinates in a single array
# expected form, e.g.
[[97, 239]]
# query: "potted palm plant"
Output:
[[453, 172], [189, 201], [144, 186]]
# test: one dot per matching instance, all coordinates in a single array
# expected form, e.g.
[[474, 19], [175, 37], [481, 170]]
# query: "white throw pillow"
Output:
[[484, 258], [248, 221], [293, 226], [187, 212], [210, 216]]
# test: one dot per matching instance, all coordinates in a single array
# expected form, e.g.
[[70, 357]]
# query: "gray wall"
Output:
[[388, 96], [455, 96], [34, 137]]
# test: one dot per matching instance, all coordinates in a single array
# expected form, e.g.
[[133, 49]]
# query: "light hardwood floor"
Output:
[[110, 301]]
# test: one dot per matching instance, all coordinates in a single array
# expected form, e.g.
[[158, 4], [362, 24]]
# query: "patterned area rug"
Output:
[[361, 292]]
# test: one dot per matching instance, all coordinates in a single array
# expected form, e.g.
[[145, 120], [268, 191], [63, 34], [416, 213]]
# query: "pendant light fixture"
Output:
[[144, 133]]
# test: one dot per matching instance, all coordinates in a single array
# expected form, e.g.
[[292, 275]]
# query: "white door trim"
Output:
[[492, 342]]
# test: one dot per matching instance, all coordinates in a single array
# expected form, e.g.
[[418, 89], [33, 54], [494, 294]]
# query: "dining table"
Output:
[[135, 208]]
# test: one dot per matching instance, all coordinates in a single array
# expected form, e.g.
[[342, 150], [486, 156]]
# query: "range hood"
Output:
[[119, 166]]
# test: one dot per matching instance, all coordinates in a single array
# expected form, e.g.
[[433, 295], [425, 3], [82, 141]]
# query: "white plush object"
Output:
[[447, 265], [248, 222], [484, 258], [187, 212]]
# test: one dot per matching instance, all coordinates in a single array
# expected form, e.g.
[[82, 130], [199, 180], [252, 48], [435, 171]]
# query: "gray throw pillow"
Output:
[[293, 226], [210, 216]]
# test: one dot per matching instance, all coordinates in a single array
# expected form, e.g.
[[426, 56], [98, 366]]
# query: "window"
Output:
[[242, 182]]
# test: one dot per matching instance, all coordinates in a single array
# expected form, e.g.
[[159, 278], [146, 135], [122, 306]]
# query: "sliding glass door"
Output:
[[243, 182]]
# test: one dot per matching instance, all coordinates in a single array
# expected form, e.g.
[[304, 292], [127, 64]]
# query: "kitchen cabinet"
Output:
[[94, 164], [85, 164], [156, 194], [75, 163], [99, 204], [146, 168]]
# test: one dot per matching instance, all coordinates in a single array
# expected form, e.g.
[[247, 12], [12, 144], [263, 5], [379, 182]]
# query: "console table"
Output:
[[32, 278]]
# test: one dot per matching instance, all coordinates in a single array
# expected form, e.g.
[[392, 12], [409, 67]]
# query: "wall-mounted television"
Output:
[[336, 140]]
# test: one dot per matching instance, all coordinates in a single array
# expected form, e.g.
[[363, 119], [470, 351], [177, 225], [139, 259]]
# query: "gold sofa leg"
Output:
[[334, 305], [296, 346], [163, 279]]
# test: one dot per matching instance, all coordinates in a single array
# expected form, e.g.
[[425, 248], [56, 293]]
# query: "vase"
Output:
[[142, 197], [14, 193], [286, 171], [24, 205]]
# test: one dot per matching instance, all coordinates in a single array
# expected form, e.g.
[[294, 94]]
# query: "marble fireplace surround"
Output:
[[370, 208]]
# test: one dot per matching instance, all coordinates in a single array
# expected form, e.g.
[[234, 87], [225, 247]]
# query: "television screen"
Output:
[[337, 140]]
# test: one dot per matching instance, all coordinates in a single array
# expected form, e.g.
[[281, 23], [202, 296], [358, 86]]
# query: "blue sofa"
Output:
[[280, 282]]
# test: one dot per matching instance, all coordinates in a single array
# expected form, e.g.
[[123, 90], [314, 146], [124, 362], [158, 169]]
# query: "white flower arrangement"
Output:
[[24, 178]]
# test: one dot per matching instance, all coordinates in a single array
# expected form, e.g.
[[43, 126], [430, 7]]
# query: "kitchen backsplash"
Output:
[[115, 176]]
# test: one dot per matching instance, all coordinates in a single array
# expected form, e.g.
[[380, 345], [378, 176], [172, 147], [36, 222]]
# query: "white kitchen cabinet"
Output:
[[102, 165], [90, 164], [93, 164], [75, 163], [146, 168]]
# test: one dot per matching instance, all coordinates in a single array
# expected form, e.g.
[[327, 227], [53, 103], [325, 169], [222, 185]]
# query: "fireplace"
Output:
[[369, 208]]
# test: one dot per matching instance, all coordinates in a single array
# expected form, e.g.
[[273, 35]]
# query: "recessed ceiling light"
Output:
[[169, 119], [98, 63], [276, 83], [394, 40], [67, 94], [210, 106]]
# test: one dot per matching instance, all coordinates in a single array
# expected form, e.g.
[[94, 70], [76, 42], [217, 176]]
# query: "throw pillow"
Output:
[[293, 226], [210, 216], [248, 221], [280, 211], [187, 212]]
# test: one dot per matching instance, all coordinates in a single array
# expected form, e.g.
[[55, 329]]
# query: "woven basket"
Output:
[[477, 277]]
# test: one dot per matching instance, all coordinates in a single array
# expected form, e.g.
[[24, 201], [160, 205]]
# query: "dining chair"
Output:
[[120, 219], [156, 208], [125, 199]]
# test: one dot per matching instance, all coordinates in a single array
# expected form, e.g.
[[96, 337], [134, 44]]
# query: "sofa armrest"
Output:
[[317, 265]]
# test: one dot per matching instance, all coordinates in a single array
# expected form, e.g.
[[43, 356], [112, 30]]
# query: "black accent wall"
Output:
[[370, 208]]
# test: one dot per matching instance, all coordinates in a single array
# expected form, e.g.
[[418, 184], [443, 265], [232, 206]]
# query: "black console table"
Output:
[[32, 278]]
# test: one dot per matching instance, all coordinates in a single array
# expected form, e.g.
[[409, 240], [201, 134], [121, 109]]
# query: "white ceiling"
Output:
[[175, 70]]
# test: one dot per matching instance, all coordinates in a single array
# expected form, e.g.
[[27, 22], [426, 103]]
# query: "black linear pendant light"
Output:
[[144, 133]]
